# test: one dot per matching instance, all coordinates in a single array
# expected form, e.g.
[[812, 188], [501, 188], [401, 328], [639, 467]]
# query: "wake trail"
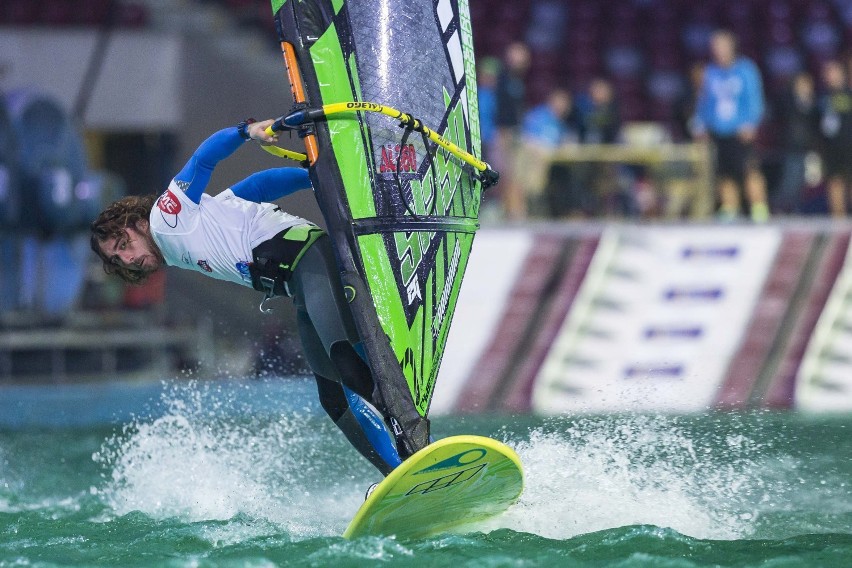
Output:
[[638, 470]]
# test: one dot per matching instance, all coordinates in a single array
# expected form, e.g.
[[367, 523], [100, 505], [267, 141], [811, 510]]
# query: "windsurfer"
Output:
[[241, 237]]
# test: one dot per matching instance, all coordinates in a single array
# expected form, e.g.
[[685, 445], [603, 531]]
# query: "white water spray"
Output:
[[601, 474], [197, 463]]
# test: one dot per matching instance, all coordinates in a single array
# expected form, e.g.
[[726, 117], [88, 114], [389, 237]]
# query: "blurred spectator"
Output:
[[685, 108], [544, 129], [683, 195], [798, 115], [730, 109], [511, 93], [601, 120], [489, 69], [836, 130]]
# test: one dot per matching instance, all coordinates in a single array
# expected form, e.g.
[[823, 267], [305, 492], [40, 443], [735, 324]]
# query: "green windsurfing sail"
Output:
[[401, 210]]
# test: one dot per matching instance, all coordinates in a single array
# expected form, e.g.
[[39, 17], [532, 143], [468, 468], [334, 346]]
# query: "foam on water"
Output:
[[205, 461], [5, 483], [619, 471], [199, 462]]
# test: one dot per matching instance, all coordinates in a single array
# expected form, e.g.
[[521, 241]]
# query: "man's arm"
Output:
[[197, 171], [269, 185]]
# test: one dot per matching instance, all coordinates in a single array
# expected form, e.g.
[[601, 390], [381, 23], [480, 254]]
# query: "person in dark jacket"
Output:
[[510, 98], [600, 117], [798, 114], [836, 130]]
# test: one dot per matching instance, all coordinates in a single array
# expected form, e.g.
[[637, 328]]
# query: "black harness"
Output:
[[274, 260]]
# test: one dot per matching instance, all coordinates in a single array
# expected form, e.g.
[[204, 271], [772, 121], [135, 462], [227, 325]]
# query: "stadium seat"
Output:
[[19, 12], [644, 46], [93, 12], [624, 61], [665, 87], [56, 13]]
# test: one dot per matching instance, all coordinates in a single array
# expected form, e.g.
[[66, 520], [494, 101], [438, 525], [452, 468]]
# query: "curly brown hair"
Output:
[[113, 223]]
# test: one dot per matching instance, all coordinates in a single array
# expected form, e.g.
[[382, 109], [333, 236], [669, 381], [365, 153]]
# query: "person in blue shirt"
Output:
[[242, 237], [730, 108], [544, 129]]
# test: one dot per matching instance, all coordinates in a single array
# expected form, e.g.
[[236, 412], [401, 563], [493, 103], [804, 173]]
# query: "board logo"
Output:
[[459, 460], [447, 481]]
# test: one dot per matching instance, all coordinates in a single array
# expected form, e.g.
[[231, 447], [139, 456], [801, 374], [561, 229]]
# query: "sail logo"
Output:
[[437, 193], [413, 291], [445, 295], [404, 156]]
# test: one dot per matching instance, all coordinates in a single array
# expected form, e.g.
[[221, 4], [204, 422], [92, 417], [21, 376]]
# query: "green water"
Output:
[[215, 477]]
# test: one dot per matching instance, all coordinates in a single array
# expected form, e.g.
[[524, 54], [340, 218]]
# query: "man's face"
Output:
[[600, 92], [804, 87], [723, 49], [518, 58], [133, 251], [833, 75], [560, 103]]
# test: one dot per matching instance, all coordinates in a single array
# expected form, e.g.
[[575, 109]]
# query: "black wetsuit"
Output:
[[331, 342]]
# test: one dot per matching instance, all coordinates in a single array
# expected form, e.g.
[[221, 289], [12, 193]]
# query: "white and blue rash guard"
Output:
[[216, 235]]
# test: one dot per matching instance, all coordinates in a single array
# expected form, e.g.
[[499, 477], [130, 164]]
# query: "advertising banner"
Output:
[[658, 318]]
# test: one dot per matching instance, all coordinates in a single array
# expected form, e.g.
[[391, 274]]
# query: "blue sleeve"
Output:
[[197, 171], [754, 92], [269, 185]]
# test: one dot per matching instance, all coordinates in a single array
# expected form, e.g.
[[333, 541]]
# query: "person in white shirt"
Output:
[[241, 237]]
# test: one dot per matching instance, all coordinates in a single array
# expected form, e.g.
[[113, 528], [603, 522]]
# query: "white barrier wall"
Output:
[[824, 381], [492, 270], [658, 318]]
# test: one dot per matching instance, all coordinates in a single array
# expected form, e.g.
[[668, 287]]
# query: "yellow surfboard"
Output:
[[446, 485]]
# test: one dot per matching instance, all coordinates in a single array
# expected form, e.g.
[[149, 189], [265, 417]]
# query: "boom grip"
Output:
[[276, 126]]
